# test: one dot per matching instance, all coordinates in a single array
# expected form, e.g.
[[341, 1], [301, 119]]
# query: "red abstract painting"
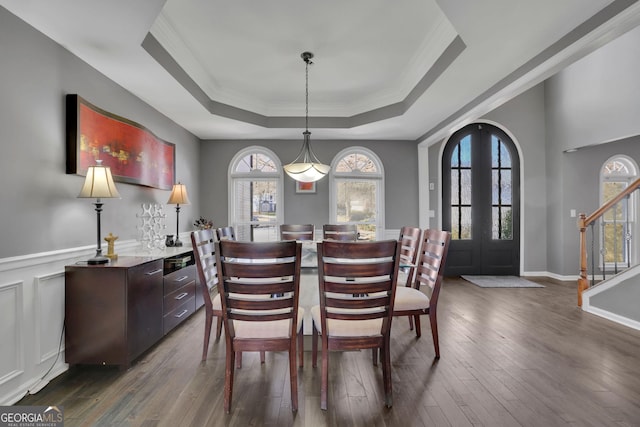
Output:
[[134, 154]]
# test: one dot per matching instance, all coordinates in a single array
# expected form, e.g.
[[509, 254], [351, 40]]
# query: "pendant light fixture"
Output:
[[306, 167]]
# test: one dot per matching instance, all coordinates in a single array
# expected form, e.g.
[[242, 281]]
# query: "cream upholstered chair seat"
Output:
[[420, 296], [410, 299], [270, 329], [347, 328]]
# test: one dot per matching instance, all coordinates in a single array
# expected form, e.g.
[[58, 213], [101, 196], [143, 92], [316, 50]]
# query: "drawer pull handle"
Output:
[[180, 279], [151, 273], [182, 313], [182, 295]]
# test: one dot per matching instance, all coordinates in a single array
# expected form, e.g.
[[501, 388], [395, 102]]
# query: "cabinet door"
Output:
[[95, 300], [144, 307]]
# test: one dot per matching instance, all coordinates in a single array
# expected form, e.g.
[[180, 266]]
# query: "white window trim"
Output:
[[255, 176], [380, 205]]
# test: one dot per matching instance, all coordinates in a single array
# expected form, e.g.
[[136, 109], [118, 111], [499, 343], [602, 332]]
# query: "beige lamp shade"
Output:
[[179, 195], [98, 183]]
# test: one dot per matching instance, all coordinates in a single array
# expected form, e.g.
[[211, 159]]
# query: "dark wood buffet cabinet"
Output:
[[115, 312]]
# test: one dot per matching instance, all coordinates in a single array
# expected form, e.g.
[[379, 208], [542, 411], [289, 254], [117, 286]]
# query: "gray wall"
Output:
[[399, 158], [40, 211], [523, 119], [621, 299], [594, 101]]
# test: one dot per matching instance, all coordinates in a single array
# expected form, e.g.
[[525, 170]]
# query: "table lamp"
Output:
[[99, 184], [178, 197]]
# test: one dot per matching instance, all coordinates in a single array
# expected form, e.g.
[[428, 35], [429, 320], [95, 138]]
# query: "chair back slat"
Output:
[[337, 267], [203, 245], [341, 232], [410, 240], [297, 232], [353, 287], [226, 233], [261, 269], [240, 286], [431, 262]]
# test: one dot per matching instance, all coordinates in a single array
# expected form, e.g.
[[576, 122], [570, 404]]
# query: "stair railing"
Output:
[[618, 204]]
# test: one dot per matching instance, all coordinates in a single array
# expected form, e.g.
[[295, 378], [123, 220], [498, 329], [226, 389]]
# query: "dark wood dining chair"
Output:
[[203, 245], [346, 322], [410, 239], [421, 297], [259, 283], [342, 232], [297, 232], [226, 233]]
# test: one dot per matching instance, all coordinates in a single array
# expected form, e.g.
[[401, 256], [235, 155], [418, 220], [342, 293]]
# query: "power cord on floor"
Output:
[[31, 389]]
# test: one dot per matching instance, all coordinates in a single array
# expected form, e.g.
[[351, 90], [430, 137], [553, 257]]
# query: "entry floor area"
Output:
[[509, 357]]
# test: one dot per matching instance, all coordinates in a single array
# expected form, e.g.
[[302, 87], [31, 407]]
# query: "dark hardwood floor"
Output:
[[510, 357]]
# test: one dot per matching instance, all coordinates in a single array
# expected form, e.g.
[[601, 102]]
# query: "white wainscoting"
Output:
[[32, 318], [12, 331]]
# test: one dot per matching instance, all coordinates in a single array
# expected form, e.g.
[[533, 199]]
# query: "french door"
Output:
[[481, 201]]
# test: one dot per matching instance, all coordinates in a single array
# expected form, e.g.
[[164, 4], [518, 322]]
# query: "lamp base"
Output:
[[177, 242], [97, 260]]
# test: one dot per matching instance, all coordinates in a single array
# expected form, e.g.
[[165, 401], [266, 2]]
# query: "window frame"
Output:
[[378, 177], [630, 255], [255, 175]]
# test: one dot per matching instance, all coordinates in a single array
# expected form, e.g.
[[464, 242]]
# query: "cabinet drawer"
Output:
[[179, 315], [179, 296], [147, 271], [177, 279]]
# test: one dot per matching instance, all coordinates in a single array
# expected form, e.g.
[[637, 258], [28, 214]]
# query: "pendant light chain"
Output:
[[306, 111]]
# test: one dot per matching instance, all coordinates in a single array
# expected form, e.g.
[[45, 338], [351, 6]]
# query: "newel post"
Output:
[[583, 283]]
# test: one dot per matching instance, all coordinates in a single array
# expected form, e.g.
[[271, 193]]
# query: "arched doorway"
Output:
[[481, 201]]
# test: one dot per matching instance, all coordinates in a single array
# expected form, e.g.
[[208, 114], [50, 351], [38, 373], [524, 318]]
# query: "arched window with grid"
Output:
[[357, 191], [255, 194], [618, 225]]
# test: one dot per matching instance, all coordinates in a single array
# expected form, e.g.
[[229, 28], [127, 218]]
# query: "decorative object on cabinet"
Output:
[[135, 154], [111, 239], [306, 167], [98, 185], [203, 224], [178, 197], [151, 228]]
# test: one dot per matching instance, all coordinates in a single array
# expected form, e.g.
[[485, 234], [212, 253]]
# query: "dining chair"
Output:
[[297, 232], [411, 300], [226, 233], [410, 239], [203, 245], [259, 283], [342, 232], [345, 322]]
